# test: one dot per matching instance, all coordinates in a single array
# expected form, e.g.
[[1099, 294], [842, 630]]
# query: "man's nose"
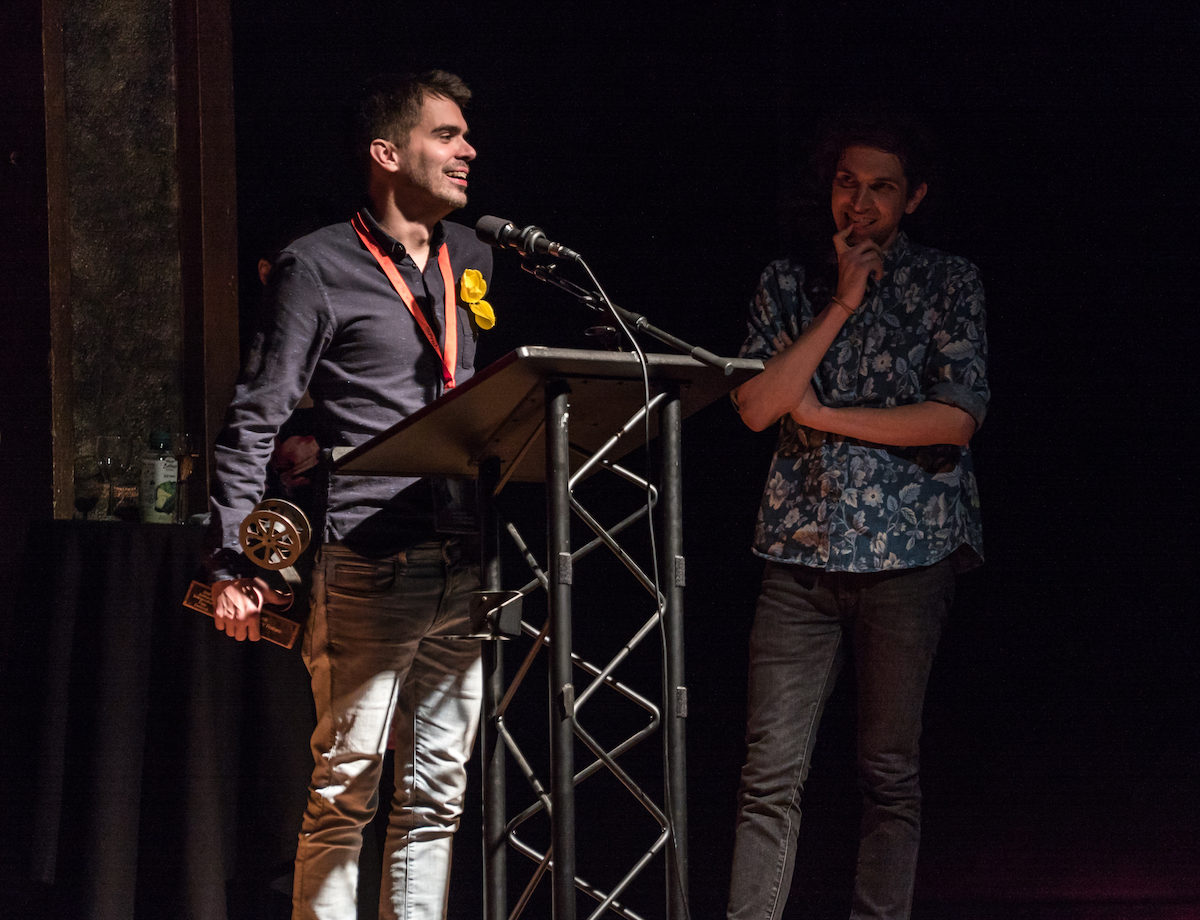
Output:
[[861, 198], [466, 152]]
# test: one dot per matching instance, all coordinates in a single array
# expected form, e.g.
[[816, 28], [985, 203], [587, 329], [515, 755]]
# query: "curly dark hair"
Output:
[[903, 137]]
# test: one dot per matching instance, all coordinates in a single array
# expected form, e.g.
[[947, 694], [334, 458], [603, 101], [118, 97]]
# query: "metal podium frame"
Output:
[[592, 403]]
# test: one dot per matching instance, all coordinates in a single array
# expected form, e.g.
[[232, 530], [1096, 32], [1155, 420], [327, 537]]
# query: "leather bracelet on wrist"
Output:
[[837, 301]]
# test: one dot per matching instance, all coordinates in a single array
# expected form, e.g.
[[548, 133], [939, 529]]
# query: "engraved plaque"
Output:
[[271, 626]]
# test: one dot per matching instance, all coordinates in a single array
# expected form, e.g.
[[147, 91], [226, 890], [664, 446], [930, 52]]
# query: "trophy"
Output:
[[273, 536]]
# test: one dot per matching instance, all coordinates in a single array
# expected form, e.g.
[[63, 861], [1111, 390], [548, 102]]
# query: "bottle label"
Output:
[[158, 490]]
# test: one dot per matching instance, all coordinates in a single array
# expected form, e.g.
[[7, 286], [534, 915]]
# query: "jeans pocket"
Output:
[[363, 578]]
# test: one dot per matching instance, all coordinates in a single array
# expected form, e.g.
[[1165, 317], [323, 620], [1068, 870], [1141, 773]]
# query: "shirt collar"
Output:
[[391, 246]]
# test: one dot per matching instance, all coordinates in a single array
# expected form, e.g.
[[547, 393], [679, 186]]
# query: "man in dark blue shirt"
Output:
[[369, 317], [876, 370]]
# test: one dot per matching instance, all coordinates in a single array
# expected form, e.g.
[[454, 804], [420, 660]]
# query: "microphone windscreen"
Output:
[[491, 229]]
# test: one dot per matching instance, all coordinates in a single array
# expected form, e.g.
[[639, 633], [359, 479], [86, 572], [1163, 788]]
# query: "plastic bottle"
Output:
[[160, 471]]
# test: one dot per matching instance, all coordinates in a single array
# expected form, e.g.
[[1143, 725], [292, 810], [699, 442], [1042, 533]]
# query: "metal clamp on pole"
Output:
[[496, 614]]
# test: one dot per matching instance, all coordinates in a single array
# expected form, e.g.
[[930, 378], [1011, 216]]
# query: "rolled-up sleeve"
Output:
[[956, 373]]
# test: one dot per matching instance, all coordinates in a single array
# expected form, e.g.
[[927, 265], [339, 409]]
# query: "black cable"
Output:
[[659, 597]]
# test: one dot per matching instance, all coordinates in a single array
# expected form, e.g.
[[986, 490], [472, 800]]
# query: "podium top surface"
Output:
[[500, 412]]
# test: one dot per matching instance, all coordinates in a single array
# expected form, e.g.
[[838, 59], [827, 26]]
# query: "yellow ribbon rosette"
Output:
[[471, 289]]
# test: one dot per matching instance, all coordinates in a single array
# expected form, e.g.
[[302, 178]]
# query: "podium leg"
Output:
[[675, 706], [495, 866], [562, 690]]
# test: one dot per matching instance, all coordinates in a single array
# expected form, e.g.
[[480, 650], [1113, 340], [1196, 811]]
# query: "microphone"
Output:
[[529, 241]]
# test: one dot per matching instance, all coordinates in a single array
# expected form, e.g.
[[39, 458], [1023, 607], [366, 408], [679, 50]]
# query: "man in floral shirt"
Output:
[[875, 367]]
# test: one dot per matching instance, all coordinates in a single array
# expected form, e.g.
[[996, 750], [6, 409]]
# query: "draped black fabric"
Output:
[[159, 768]]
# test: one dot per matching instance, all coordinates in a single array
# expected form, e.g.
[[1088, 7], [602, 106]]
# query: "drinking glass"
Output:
[[111, 452]]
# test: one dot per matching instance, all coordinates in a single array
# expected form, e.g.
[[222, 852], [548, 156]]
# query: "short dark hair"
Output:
[[900, 136], [390, 104]]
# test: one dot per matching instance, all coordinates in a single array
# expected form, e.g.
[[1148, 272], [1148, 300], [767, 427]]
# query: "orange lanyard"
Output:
[[449, 356]]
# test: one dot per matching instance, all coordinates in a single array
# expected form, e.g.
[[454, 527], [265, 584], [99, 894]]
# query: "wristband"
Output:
[[835, 300]]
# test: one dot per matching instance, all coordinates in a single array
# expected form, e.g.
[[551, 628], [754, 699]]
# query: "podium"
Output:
[[558, 416]]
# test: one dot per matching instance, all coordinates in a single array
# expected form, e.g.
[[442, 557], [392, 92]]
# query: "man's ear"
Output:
[[384, 153], [915, 198]]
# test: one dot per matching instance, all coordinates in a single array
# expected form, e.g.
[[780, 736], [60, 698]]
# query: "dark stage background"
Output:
[[1061, 754]]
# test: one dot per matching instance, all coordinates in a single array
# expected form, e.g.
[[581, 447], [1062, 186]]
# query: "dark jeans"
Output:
[[383, 650], [805, 619]]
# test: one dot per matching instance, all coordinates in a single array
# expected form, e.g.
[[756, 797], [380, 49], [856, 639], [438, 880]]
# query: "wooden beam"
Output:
[[208, 222], [62, 379]]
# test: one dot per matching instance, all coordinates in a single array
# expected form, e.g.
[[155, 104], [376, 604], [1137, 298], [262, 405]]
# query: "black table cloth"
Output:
[[158, 767]]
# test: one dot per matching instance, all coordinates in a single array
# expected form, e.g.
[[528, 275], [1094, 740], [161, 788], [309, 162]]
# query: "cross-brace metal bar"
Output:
[[557, 576]]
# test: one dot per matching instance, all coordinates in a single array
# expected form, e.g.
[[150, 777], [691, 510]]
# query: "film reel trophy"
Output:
[[273, 536]]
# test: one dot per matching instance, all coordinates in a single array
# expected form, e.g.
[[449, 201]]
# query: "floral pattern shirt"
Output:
[[846, 505]]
